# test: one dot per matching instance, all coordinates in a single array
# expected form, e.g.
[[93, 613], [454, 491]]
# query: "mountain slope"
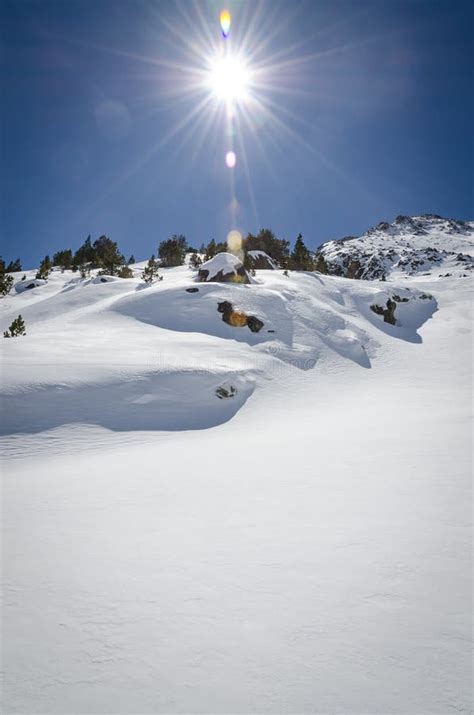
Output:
[[415, 245], [301, 546]]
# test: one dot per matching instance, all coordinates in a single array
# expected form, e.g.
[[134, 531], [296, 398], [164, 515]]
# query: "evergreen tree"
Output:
[[16, 328], [6, 281], [173, 251], [320, 264], [213, 248], [107, 256], [14, 266], [63, 259], [266, 241], [195, 261], [210, 250], [125, 272], [301, 258], [150, 272], [131, 260], [84, 254], [45, 268], [84, 270]]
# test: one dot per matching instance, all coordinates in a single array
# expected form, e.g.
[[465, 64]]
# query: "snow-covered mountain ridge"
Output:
[[410, 245]]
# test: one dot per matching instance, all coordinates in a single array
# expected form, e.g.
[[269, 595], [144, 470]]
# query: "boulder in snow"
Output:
[[388, 312], [259, 260], [105, 279], [21, 286], [237, 319], [223, 268]]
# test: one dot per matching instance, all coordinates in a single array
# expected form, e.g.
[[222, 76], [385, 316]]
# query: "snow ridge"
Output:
[[410, 245]]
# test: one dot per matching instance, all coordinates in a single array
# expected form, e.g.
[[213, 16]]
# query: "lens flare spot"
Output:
[[234, 241], [225, 20], [230, 159]]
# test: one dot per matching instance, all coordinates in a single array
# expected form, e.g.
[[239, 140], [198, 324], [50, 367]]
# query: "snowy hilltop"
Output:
[[410, 245]]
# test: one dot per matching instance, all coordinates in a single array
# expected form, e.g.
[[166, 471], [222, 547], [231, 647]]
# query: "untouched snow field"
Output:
[[301, 547]]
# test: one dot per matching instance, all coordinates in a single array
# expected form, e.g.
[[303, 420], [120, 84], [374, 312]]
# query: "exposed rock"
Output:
[[238, 319], [388, 312], [223, 392], [223, 268], [255, 324], [259, 260], [224, 306], [398, 299], [23, 285], [235, 318], [192, 290]]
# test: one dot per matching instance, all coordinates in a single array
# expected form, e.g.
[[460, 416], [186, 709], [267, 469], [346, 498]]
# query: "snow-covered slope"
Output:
[[199, 518], [426, 244]]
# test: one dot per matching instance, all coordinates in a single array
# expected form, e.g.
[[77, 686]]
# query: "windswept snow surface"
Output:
[[301, 547]]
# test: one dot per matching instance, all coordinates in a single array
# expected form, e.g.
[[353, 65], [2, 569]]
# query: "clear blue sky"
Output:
[[364, 111]]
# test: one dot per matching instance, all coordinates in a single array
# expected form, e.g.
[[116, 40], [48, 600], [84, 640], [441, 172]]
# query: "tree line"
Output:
[[104, 254]]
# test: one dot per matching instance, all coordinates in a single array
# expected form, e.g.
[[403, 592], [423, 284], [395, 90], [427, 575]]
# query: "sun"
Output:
[[229, 79]]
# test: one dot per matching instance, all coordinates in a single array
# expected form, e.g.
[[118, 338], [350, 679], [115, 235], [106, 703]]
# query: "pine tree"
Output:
[[63, 259], [195, 261], [131, 260], [301, 258], [210, 250], [125, 272], [16, 328], [45, 268], [84, 270], [84, 254], [320, 264], [213, 248], [266, 241], [173, 251], [150, 272], [14, 266], [6, 281], [107, 256]]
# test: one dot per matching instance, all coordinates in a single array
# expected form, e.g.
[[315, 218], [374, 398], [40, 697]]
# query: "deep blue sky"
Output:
[[377, 121]]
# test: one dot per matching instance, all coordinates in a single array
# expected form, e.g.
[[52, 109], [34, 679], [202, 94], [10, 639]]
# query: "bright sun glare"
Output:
[[229, 79]]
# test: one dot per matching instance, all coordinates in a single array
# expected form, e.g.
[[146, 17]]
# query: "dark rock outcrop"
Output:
[[388, 312], [260, 261], [223, 392], [223, 268], [237, 319]]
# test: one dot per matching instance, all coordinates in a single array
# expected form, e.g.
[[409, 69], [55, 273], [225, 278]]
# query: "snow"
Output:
[[302, 546], [31, 284]]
